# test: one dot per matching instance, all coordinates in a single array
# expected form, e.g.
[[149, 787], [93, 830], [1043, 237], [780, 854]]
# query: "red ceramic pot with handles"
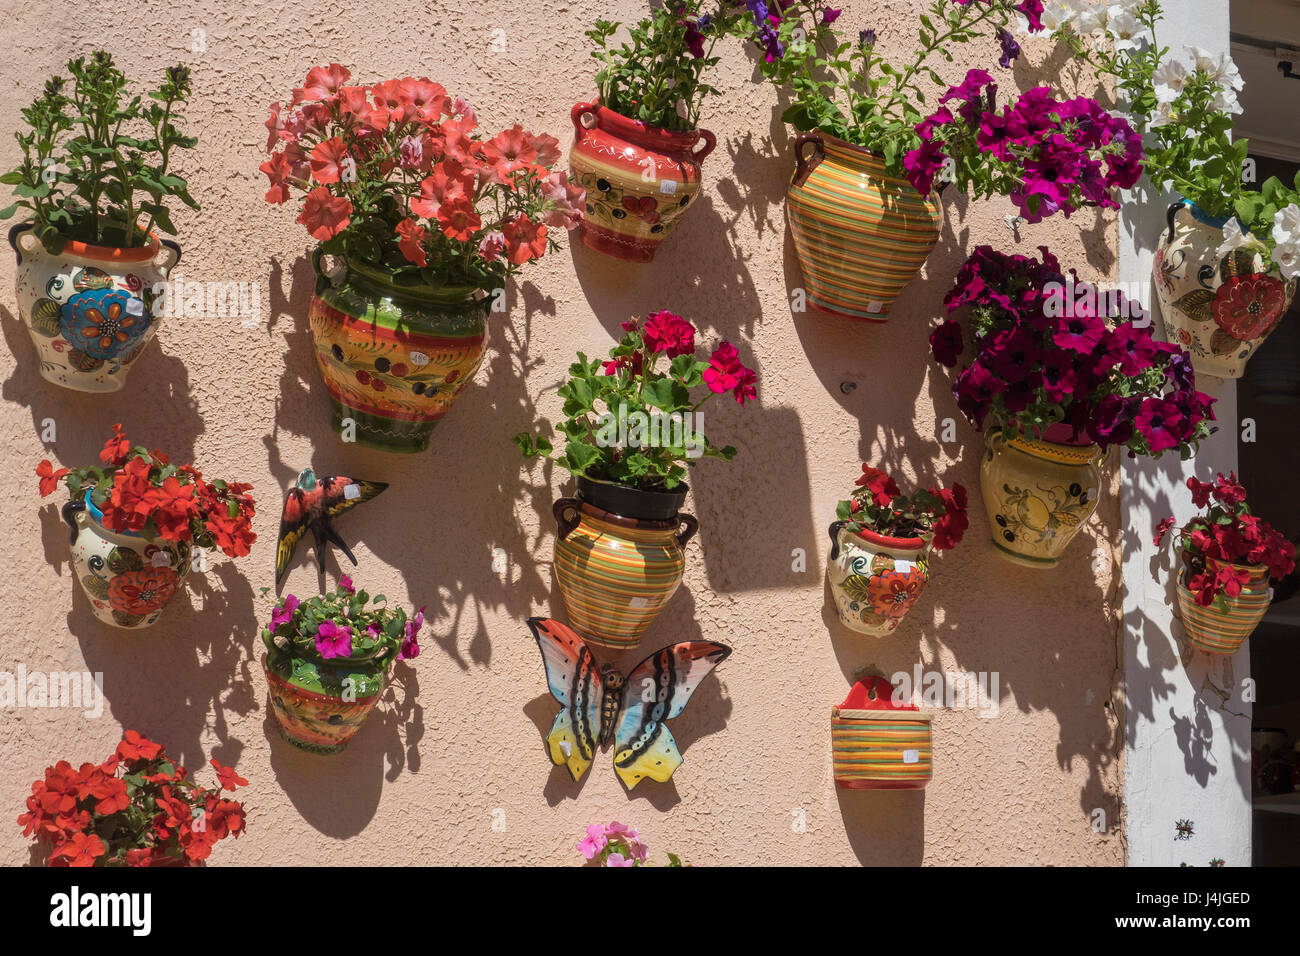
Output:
[[640, 179]]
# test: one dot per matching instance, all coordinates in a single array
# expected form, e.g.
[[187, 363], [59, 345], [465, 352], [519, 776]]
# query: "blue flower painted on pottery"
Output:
[[103, 323]]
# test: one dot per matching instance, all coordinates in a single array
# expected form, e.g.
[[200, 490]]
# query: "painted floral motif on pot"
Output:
[[1219, 308], [90, 309], [640, 180], [875, 580], [127, 578]]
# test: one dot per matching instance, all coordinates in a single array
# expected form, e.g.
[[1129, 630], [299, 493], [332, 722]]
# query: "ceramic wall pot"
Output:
[[875, 579], [1223, 631], [877, 744], [90, 308], [394, 357], [1038, 494], [127, 578], [617, 569], [640, 179], [320, 704], [860, 234], [1219, 308]]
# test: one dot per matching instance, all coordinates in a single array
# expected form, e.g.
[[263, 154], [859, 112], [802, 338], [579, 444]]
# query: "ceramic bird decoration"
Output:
[[599, 706], [312, 503]]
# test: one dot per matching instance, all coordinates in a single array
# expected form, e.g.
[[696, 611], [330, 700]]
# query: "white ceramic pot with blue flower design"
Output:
[[89, 309], [128, 578]]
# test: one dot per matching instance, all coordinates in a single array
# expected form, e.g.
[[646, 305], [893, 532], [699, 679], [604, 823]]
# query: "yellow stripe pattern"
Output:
[[1223, 632], [860, 234], [615, 580], [892, 753]]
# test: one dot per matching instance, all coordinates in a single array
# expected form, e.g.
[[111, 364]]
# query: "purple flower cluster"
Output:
[[1041, 358], [1048, 155]]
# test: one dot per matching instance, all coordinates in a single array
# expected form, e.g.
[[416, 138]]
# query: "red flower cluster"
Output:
[[151, 496], [1218, 544], [149, 814], [879, 506], [408, 140]]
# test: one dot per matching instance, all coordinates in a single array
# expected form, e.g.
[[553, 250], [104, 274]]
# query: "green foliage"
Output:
[[96, 164], [653, 76]]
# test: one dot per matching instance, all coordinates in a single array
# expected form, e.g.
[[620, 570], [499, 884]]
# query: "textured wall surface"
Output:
[[459, 734]]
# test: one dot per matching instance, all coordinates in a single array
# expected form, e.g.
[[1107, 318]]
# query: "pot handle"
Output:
[[71, 512], [172, 256], [15, 231], [835, 538], [1169, 218], [579, 111], [710, 144], [804, 167], [689, 526], [566, 516]]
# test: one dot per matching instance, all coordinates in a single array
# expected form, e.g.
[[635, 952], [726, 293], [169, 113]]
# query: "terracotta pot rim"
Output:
[[902, 544], [622, 124], [86, 250]]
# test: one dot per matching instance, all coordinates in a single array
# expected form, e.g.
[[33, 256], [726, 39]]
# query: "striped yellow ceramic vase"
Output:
[[880, 744], [1038, 494], [859, 233], [616, 573], [1222, 631]]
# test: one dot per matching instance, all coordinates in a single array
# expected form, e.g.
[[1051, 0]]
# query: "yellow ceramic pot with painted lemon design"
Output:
[[1038, 494]]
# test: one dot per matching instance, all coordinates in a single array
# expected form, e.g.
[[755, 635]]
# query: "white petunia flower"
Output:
[[1225, 100], [1169, 79], [1058, 14], [1286, 233], [1233, 238], [1089, 19], [1123, 26], [1226, 73], [1162, 116]]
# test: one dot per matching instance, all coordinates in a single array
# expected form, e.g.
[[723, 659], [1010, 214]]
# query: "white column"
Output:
[[1187, 742]]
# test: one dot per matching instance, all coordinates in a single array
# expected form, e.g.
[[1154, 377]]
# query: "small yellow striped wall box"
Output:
[[1218, 631], [877, 744], [859, 233]]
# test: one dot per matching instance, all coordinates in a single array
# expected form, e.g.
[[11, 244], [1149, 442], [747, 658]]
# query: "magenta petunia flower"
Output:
[[284, 613], [333, 640]]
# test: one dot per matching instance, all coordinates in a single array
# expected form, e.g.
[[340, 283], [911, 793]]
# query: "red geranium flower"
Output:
[[136, 747], [882, 487], [80, 850], [230, 780], [49, 477], [116, 448]]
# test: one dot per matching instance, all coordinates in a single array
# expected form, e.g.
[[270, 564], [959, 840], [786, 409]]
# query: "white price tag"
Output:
[[911, 756], [875, 306], [419, 358], [902, 567], [668, 186], [134, 307], [161, 559], [351, 491], [638, 603]]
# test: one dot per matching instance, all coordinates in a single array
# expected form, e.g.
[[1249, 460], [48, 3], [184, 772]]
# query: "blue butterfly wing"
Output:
[[573, 677], [658, 689]]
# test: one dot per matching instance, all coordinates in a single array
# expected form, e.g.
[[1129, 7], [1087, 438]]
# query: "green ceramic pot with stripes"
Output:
[[1222, 630], [878, 743], [859, 233], [619, 558]]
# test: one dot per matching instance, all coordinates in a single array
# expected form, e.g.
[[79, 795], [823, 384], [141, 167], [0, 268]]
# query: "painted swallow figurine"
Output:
[[312, 503]]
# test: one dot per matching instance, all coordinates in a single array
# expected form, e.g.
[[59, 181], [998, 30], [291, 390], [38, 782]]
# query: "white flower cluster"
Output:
[[1286, 233], [1111, 18], [1172, 76]]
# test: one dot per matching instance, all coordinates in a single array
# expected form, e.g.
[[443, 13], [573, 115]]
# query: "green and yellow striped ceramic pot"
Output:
[[880, 744], [860, 234], [394, 356], [1222, 631], [1038, 493], [616, 571], [320, 704]]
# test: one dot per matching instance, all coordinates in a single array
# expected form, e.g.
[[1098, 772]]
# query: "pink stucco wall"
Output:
[[460, 733]]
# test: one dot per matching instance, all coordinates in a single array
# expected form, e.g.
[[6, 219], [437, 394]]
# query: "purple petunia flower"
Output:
[[1010, 48], [333, 640], [284, 612]]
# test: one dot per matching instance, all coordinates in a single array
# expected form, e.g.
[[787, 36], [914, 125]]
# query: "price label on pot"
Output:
[[875, 306], [419, 358], [638, 602], [902, 567], [911, 756], [668, 186], [134, 306], [161, 559], [351, 491]]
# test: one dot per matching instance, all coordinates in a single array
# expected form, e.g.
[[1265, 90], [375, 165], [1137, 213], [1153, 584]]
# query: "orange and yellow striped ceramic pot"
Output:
[[860, 234], [616, 573], [1218, 631], [640, 179], [880, 744]]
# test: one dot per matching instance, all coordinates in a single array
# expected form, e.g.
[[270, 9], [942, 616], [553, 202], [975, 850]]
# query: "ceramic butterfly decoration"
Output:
[[600, 706]]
